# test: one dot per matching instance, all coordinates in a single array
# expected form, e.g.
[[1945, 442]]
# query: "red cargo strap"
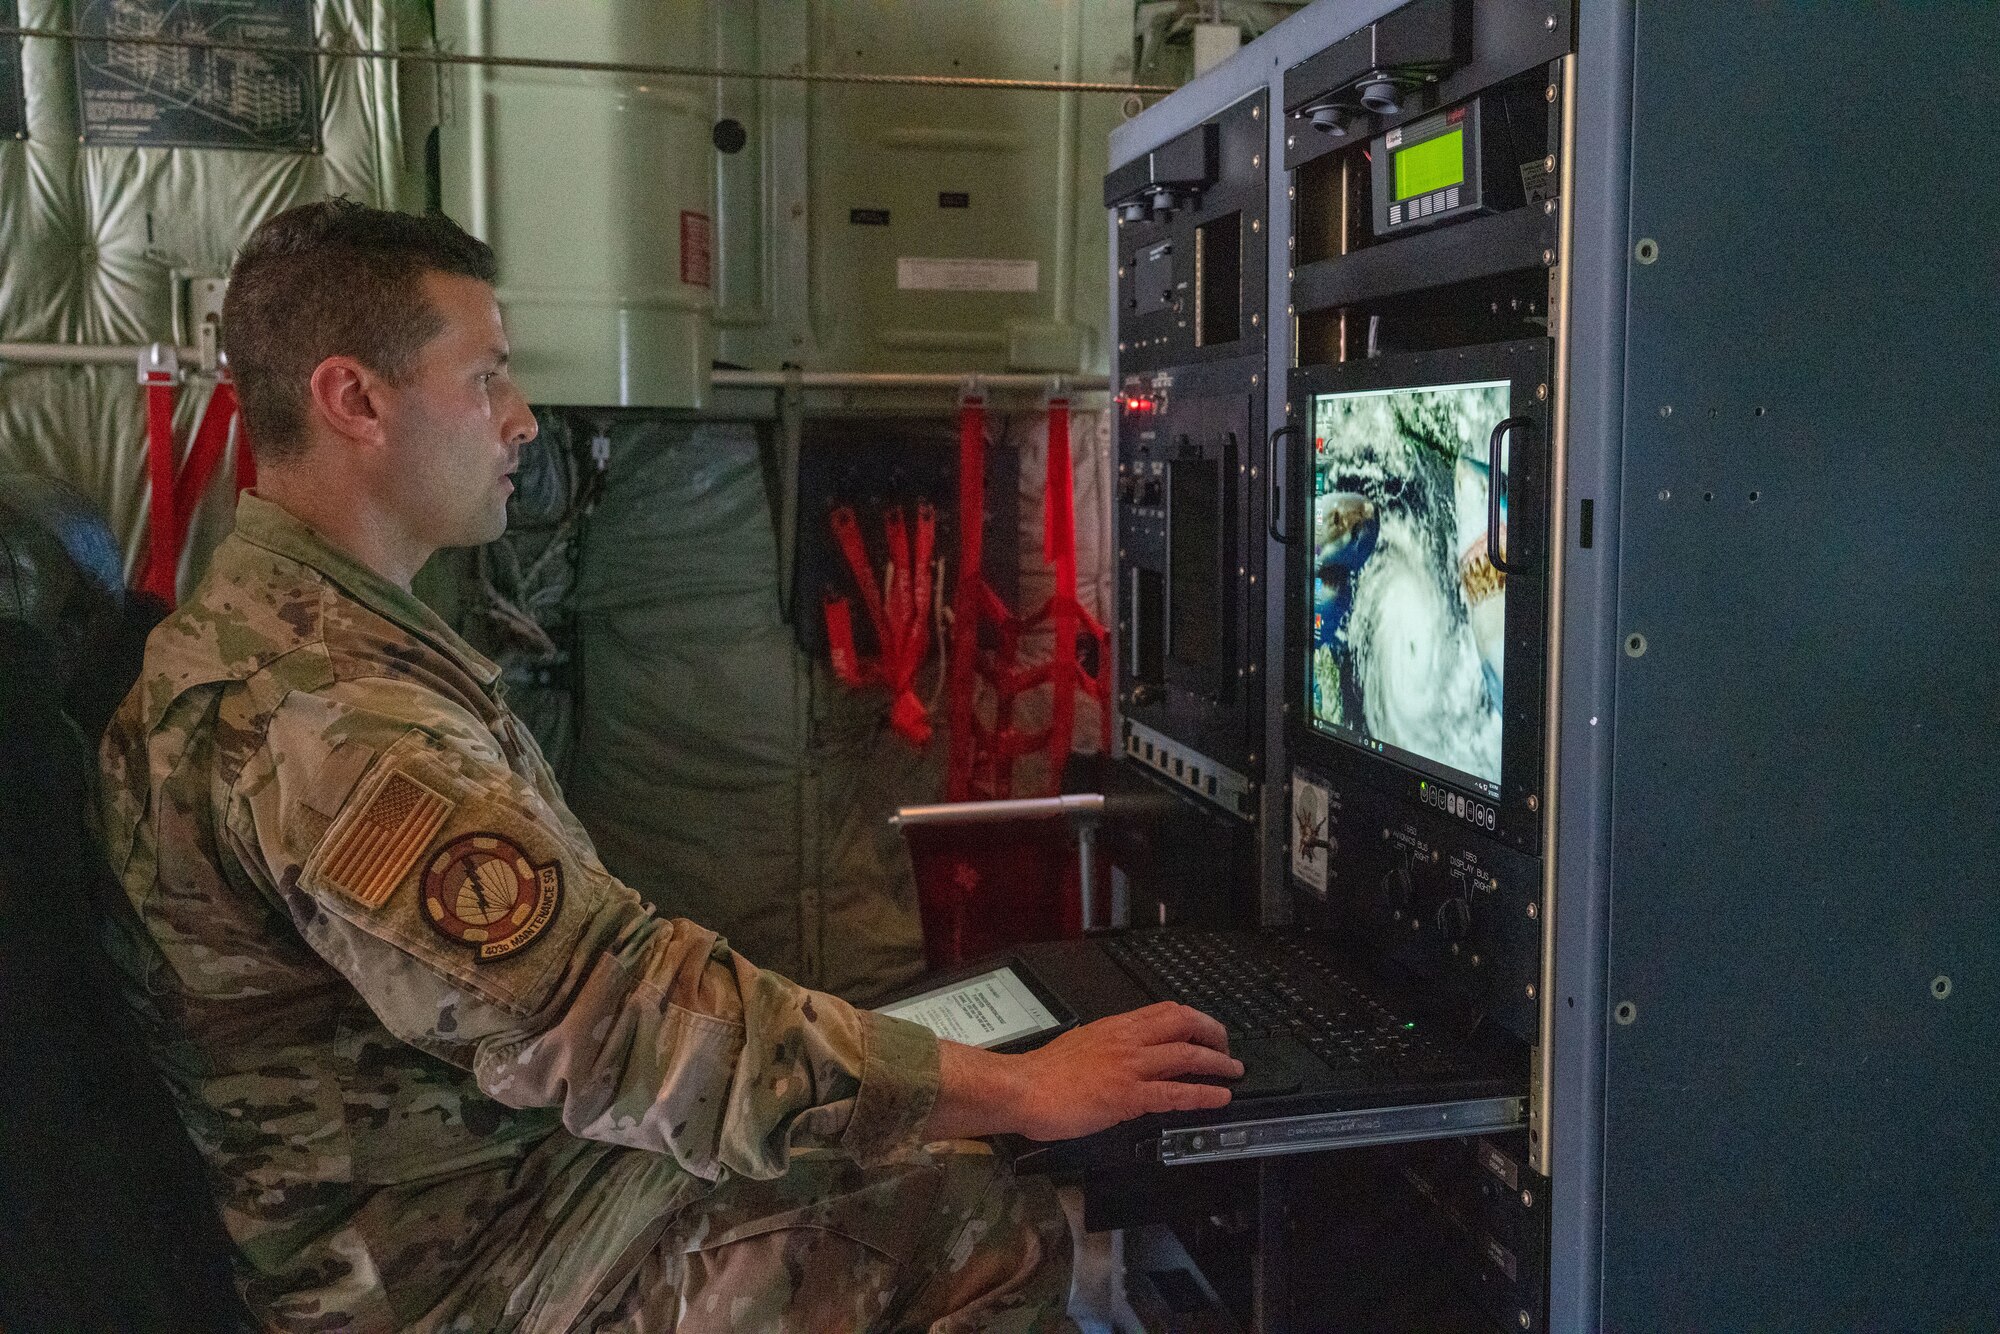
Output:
[[174, 497], [159, 370], [983, 753], [966, 600], [211, 439], [899, 614]]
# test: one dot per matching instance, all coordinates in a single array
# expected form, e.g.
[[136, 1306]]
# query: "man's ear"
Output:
[[347, 396]]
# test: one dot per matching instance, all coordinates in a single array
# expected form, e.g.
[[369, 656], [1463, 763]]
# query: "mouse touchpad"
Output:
[[1268, 1068]]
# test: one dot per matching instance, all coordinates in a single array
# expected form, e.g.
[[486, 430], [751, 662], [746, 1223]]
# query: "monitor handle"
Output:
[[1493, 490], [1274, 494]]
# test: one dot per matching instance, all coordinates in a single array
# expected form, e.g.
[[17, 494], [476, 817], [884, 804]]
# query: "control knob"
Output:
[[1396, 887], [1454, 919]]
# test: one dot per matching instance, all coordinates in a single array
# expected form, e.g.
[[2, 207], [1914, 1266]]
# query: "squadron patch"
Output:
[[481, 891], [380, 846]]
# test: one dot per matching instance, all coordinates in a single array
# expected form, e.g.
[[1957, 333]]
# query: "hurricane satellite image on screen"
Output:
[[1408, 613]]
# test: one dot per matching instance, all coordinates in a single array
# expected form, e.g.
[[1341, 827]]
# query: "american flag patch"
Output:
[[385, 840]]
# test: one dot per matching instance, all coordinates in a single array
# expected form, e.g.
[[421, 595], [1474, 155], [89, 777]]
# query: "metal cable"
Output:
[[589, 66]]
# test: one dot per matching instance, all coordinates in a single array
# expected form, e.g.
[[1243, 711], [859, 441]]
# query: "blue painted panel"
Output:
[[1798, 1133]]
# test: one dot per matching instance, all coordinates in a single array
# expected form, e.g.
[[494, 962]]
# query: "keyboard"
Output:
[[1268, 986]]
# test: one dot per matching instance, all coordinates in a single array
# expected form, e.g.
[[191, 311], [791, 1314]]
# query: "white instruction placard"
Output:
[[982, 1011], [968, 275]]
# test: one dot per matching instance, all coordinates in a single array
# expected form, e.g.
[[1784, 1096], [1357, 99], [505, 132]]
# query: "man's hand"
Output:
[[1086, 1079]]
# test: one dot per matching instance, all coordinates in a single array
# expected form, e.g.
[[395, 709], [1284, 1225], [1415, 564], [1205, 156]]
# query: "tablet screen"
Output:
[[982, 1011]]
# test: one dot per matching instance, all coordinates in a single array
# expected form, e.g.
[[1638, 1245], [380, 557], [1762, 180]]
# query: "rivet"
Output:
[[1627, 1013], [1534, 909], [1549, 162], [1541, 393], [1635, 646], [1548, 206], [1531, 991], [1548, 257], [1550, 23], [1549, 93]]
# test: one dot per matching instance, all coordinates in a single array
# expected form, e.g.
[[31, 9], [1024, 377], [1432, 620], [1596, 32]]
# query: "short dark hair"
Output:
[[334, 278]]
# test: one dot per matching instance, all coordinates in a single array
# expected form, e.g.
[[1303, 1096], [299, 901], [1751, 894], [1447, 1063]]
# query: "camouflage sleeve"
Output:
[[480, 927]]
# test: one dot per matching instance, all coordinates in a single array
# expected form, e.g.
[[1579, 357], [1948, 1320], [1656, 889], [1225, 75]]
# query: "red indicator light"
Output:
[[1454, 116]]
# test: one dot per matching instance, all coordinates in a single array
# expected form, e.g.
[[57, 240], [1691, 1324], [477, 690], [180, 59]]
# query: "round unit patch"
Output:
[[481, 891]]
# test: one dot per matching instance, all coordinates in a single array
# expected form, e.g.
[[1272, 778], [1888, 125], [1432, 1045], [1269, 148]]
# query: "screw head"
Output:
[[1549, 93]]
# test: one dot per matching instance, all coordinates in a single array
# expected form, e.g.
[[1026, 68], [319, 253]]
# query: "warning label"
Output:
[[697, 250], [968, 275], [195, 96]]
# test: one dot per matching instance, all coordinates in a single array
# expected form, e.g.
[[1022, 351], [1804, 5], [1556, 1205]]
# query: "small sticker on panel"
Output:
[[697, 249], [1311, 834]]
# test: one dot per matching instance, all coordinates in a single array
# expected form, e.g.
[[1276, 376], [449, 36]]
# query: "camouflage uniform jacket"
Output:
[[419, 1033]]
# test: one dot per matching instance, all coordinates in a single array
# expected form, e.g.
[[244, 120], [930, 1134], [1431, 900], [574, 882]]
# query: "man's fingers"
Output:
[[1167, 1096], [1169, 1059], [1169, 1021]]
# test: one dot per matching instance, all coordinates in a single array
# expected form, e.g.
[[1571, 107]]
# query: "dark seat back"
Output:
[[105, 1223]]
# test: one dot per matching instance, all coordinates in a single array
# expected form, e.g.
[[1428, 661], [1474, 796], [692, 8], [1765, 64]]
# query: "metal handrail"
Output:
[[734, 379], [89, 354], [85, 354], [996, 812]]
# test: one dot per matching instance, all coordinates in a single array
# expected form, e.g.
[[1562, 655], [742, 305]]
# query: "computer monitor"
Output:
[[1409, 613], [1417, 590]]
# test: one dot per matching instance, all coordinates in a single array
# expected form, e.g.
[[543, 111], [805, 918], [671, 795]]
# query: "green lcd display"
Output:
[[1431, 165]]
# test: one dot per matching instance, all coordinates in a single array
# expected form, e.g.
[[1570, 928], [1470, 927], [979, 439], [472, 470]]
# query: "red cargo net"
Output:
[[983, 749]]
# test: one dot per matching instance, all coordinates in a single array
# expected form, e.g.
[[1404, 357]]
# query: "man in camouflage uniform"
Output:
[[448, 1073]]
